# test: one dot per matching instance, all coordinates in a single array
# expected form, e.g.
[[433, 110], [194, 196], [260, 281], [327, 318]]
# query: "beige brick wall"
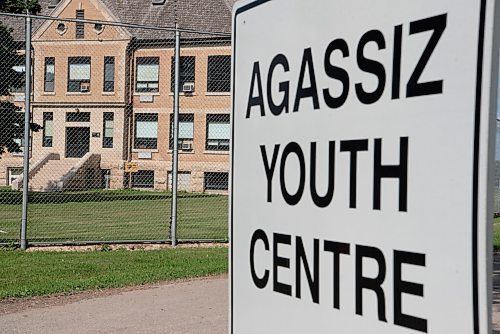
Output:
[[200, 103], [97, 51], [113, 41]]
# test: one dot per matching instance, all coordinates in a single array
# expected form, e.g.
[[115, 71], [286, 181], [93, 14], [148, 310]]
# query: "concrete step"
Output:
[[51, 173]]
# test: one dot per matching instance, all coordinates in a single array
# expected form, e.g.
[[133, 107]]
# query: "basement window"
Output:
[[143, 179]]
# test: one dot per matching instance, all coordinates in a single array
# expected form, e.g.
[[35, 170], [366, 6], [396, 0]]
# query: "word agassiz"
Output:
[[307, 87]]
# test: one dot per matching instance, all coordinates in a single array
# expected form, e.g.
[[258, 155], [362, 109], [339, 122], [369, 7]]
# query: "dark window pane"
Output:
[[107, 130], [49, 74], [187, 66], [216, 181], [143, 179], [77, 117], [109, 74], [18, 76], [48, 129], [219, 74]]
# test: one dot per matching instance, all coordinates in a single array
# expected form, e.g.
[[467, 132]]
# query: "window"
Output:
[[183, 180], [53, 3], [109, 74], [80, 27], [146, 131], [143, 179], [216, 181], [48, 129], [148, 74], [186, 131], [77, 117], [50, 64], [61, 28], [218, 132], [14, 173], [108, 124], [79, 74], [186, 71], [219, 74], [20, 145], [98, 28], [19, 78]]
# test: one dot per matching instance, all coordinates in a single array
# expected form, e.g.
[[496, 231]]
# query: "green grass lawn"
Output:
[[40, 273], [114, 215]]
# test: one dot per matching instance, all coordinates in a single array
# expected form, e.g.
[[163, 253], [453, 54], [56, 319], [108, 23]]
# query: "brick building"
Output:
[[103, 95]]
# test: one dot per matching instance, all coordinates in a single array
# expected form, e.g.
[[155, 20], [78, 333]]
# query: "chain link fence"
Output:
[[102, 159]]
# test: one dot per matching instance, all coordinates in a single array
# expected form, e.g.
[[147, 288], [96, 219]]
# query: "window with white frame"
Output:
[[146, 131], [148, 74], [108, 129], [79, 74], [218, 132], [14, 173], [48, 129], [186, 131], [49, 76]]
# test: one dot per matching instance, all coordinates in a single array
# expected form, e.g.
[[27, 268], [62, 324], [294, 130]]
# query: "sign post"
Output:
[[361, 152]]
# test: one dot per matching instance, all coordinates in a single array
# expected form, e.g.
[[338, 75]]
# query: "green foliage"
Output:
[[11, 119], [11, 127], [20, 6], [8, 59]]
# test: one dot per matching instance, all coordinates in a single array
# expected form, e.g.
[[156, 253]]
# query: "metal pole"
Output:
[[175, 150], [27, 109]]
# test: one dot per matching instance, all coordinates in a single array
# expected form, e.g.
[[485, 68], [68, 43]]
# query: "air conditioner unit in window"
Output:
[[84, 87], [187, 146], [188, 87]]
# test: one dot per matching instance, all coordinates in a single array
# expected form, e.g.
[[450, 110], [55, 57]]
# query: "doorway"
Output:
[[77, 142]]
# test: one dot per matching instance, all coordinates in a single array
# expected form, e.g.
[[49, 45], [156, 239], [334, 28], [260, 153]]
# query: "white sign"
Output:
[[361, 146]]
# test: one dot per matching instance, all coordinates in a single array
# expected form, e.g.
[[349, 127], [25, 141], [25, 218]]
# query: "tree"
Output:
[[20, 6], [11, 119]]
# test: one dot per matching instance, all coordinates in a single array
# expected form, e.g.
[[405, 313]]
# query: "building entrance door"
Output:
[[77, 141]]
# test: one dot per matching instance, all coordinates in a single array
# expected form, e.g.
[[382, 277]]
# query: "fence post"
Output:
[[27, 109], [175, 150]]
